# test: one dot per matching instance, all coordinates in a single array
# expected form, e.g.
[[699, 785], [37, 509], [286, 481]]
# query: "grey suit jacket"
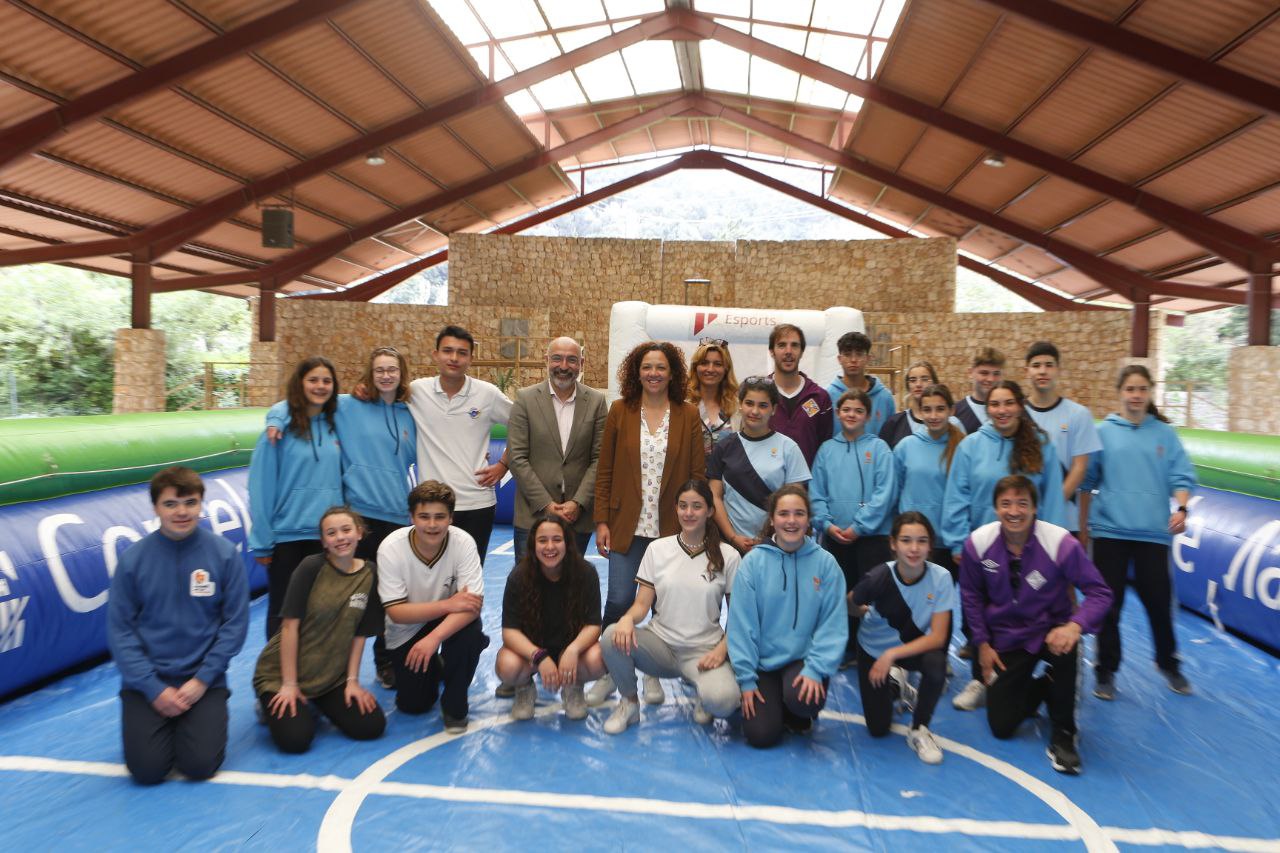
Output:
[[543, 473]]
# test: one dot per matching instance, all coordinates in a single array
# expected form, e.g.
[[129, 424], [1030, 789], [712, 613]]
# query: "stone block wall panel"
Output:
[[139, 371], [1250, 369]]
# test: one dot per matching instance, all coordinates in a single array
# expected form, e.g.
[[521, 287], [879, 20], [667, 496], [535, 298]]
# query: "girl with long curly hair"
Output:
[[550, 622], [652, 443]]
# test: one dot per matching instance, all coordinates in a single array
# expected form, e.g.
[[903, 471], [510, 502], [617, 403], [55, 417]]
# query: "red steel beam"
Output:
[[25, 136], [1230, 243], [1121, 279], [1241, 88], [291, 265], [171, 233]]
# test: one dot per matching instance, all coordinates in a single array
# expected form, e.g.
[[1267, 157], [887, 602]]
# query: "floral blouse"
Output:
[[653, 455]]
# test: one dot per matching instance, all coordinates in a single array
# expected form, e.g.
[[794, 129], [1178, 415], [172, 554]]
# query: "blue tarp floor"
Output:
[[1161, 771]]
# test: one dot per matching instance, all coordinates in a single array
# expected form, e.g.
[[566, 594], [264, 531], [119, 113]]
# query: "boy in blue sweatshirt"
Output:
[[853, 352], [178, 612], [788, 623]]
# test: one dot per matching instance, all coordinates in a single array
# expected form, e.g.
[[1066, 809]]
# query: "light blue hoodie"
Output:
[[291, 483], [922, 476], [379, 444], [787, 607], [882, 404], [980, 461], [1139, 467], [854, 483]]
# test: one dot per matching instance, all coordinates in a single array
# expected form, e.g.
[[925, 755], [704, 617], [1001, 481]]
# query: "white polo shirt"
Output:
[[686, 607], [453, 435], [403, 576]]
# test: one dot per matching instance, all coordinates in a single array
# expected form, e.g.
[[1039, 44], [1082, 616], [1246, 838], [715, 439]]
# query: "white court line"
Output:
[[697, 811], [508, 547]]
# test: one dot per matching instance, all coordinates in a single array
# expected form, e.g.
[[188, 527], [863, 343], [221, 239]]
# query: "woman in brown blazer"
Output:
[[652, 444]]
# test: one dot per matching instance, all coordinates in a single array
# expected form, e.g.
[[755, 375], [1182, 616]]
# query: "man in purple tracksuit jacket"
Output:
[[1016, 576]]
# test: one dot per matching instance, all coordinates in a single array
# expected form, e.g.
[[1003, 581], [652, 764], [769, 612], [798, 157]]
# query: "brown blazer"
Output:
[[618, 470]]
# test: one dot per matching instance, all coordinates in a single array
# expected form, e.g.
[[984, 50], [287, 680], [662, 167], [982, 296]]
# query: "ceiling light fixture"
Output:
[[995, 160], [375, 158]]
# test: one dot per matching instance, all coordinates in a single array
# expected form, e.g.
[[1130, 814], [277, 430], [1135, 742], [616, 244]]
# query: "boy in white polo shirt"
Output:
[[454, 414], [432, 587]]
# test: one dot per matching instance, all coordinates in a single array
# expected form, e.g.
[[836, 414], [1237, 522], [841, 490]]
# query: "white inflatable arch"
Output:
[[746, 330]]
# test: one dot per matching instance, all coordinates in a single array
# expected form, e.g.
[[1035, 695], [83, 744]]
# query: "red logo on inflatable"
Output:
[[701, 320]]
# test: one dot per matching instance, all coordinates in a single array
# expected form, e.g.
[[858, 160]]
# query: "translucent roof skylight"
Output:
[[508, 36]]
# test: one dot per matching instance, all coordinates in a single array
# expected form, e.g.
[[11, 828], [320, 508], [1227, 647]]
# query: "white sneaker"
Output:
[[921, 740], [907, 692], [525, 699], [575, 705], [973, 697], [652, 693], [624, 714], [600, 691], [700, 714]]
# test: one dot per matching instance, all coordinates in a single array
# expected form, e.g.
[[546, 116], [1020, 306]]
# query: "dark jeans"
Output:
[[856, 559], [520, 537], [194, 742], [284, 559], [294, 733], [781, 703], [1155, 589], [479, 523], [1016, 694], [376, 530], [877, 702], [454, 665]]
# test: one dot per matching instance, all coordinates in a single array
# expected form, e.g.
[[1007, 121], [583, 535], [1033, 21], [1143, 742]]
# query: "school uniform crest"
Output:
[[202, 586], [817, 583], [473, 413], [810, 408]]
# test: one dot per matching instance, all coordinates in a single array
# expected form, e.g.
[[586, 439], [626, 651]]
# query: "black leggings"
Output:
[[284, 559], [856, 559], [294, 733], [1155, 589], [781, 703], [877, 702], [1016, 695]]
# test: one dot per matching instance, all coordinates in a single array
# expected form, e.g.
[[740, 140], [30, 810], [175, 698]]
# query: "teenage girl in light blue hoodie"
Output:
[[1142, 464], [293, 481], [787, 623]]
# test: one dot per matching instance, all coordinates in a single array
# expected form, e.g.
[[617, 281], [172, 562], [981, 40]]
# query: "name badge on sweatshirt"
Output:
[[202, 585]]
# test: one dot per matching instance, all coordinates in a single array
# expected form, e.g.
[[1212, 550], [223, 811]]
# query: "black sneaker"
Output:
[[1104, 685], [1177, 681], [387, 676], [454, 725], [795, 724], [1062, 753]]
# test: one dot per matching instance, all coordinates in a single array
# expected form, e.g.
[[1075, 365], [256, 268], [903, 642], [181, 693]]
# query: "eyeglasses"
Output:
[[571, 360], [386, 371]]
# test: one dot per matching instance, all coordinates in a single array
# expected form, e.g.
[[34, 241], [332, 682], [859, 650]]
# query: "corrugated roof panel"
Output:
[[1181, 123], [441, 155], [942, 221], [177, 121], [345, 202], [1159, 251], [393, 180], [17, 104], [453, 218], [307, 227], [323, 63], [992, 187], [633, 144], [673, 133], [1216, 274], [260, 99], [1259, 56], [854, 188], [1053, 200], [146, 31], [939, 158], [339, 271], [1195, 26], [493, 134], [113, 152], [900, 206], [1015, 66], [1107, 226], [988, 243], [48, 181], [232, 238], [40, 54], [1030, 262], [415, 54], [1260, 214], [233, 13], [1099, 92], [1074, 282], [52, 230], [376, 254], [884, 135], [1234, 168], [499, 204], [933, 45]]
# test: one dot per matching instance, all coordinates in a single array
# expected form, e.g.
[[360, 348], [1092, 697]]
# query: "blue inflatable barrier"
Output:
[[57, 558], [505, 512], [1227, 564]]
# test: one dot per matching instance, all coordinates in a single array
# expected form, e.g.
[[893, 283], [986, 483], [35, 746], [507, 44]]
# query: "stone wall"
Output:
[[566, 286], [1249, 370], [139, 371]]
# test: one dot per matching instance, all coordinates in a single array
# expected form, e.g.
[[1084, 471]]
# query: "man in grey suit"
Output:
[[553, 441]]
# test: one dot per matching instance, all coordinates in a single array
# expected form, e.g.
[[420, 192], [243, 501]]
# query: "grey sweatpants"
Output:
[[717, 688]]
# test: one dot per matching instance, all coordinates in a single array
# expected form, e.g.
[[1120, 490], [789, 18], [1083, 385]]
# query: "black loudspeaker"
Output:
[[277, 228]]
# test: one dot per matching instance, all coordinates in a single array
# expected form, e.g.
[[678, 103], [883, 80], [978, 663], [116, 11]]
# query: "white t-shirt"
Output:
[[453, 435], [403, 576], [686, 610]]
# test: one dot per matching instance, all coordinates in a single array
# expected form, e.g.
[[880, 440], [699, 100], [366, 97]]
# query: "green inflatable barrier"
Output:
[[1235, 462], [43, 458]]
